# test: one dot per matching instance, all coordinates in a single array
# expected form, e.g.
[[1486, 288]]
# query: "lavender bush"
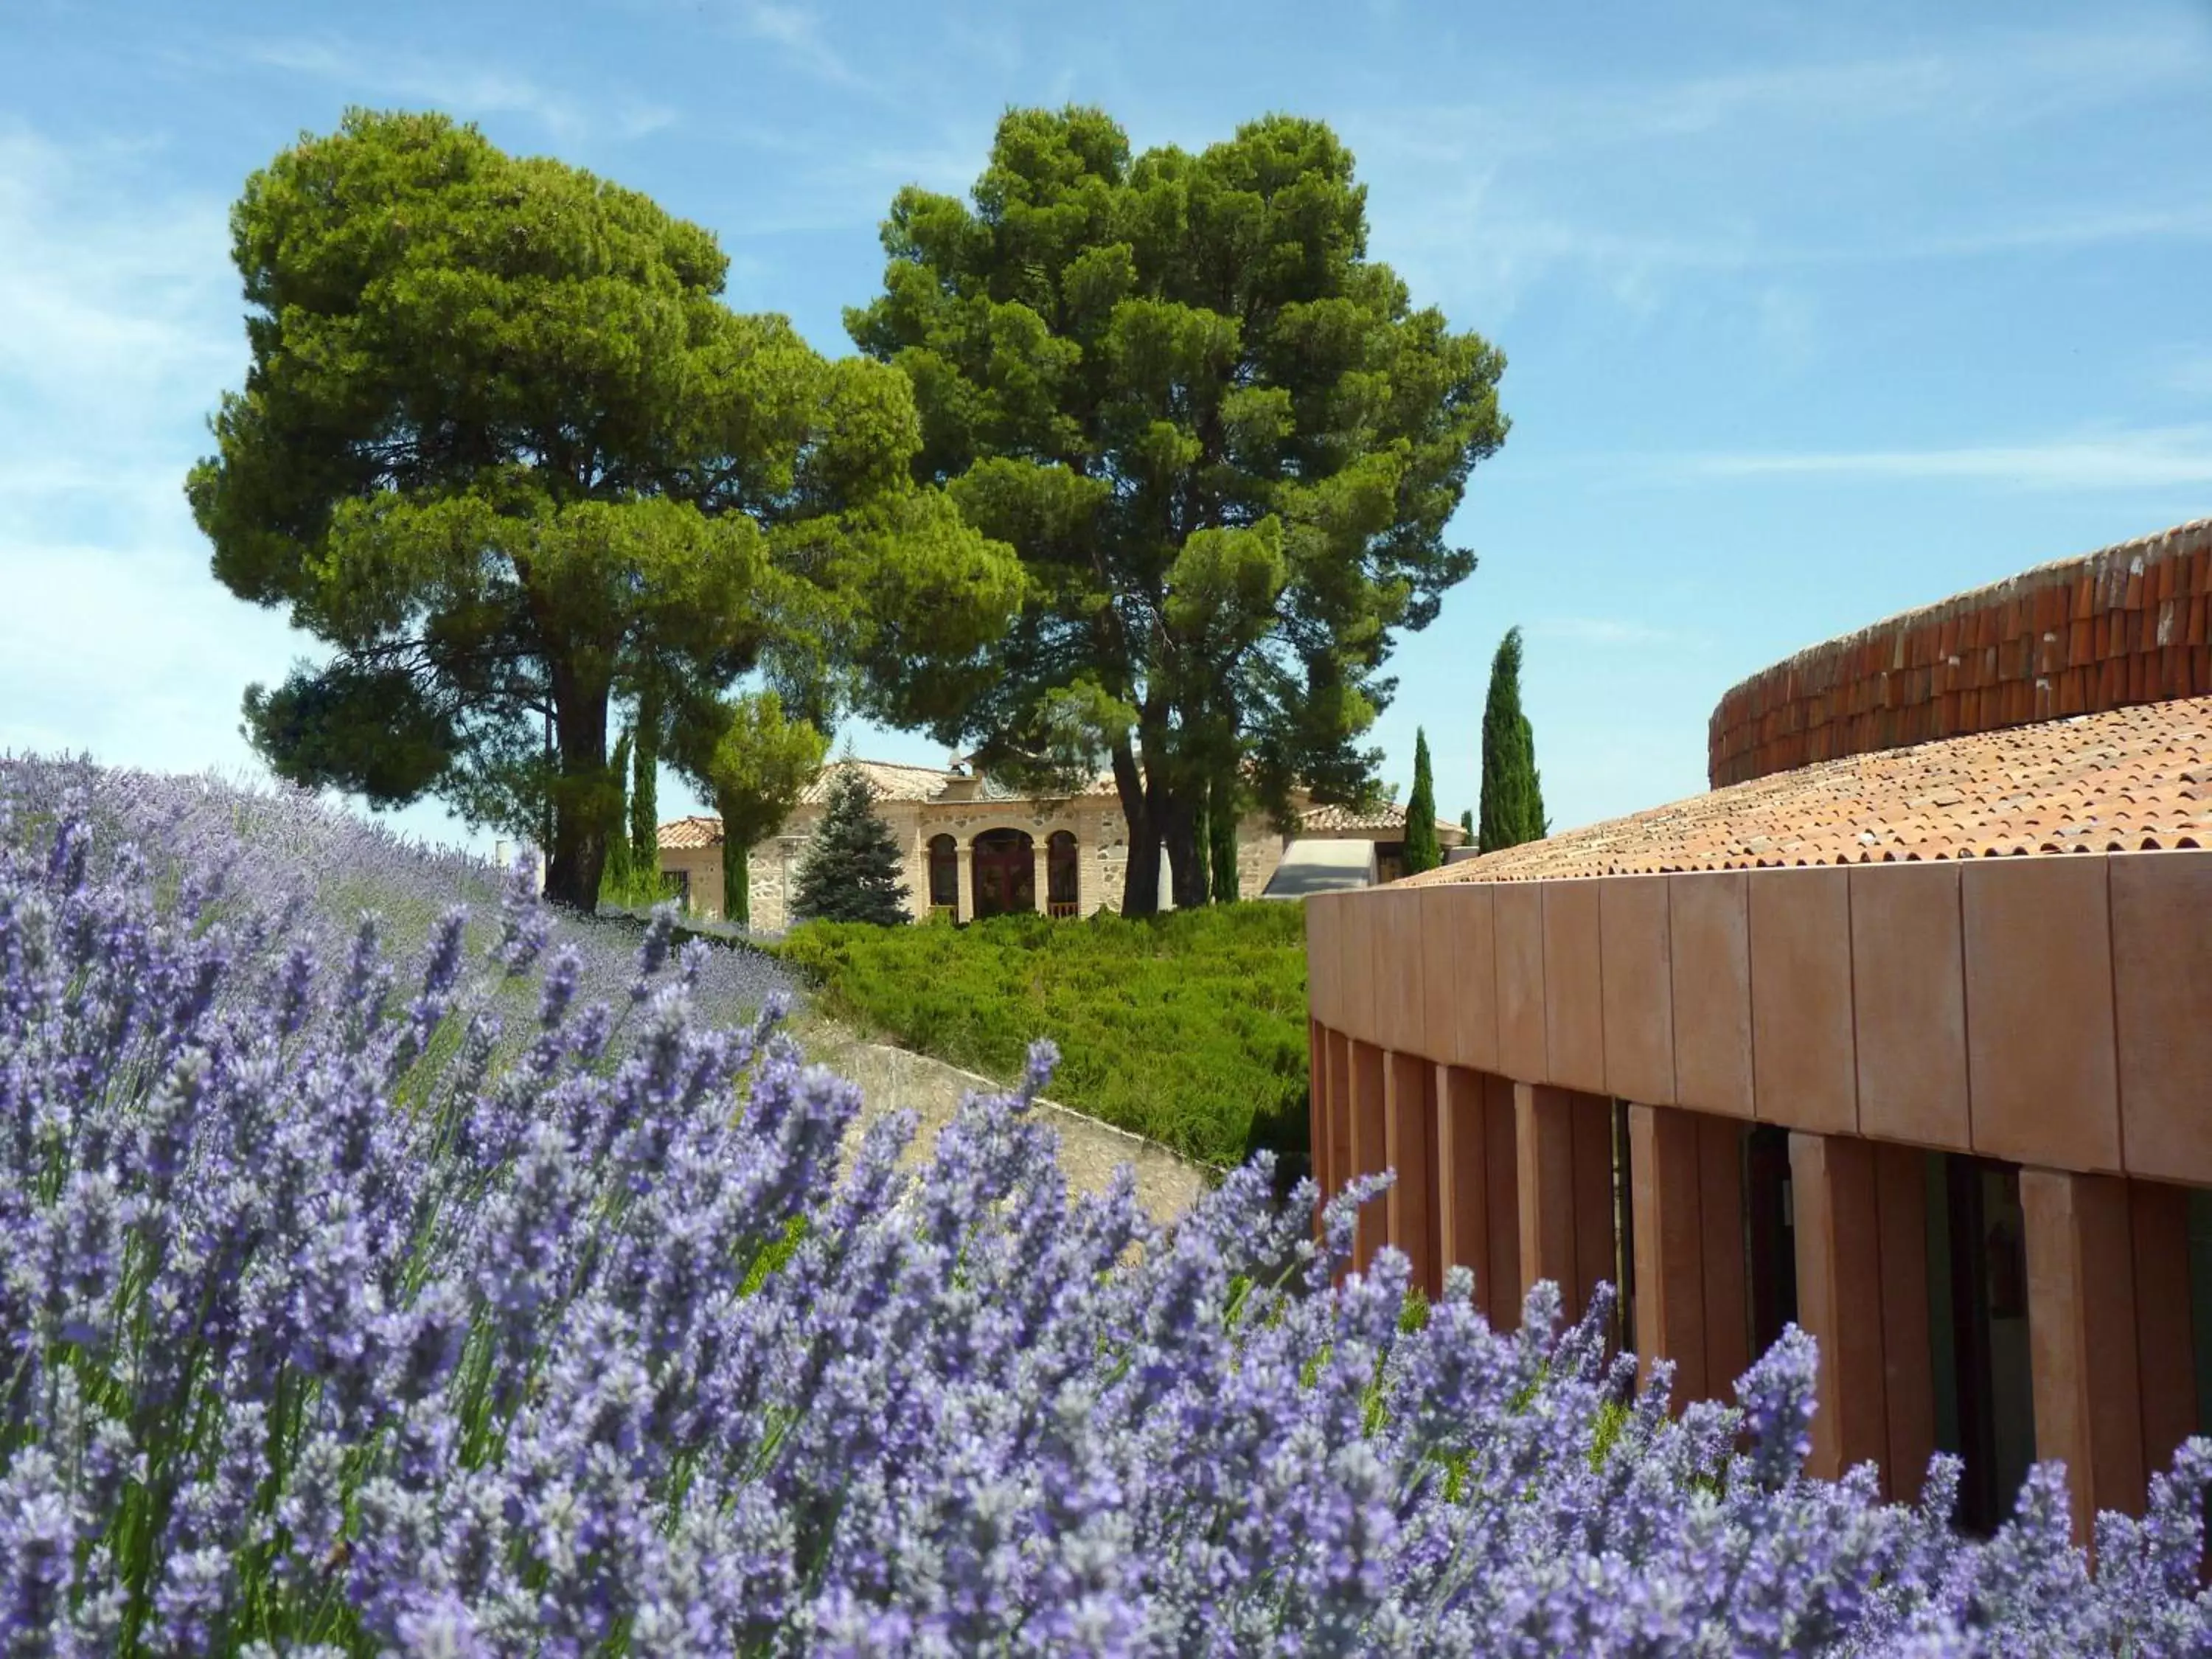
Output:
[[469, 1313]]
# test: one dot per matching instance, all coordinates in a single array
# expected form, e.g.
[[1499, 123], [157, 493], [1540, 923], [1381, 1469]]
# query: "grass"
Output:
[[1188, 1029]]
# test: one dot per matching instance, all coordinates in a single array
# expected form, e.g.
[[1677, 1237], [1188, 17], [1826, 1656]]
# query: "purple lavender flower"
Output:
[[328, 1326]]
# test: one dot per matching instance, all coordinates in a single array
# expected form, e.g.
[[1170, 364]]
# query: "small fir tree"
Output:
[[1512, 791], [1422, 852], [851, 869]]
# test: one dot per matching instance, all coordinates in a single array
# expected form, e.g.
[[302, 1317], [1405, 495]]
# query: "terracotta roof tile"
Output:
[[2126, 781], [681, 833], [1333, 820]]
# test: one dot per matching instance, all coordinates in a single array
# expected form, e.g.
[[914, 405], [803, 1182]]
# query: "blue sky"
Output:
[[1812, 313]]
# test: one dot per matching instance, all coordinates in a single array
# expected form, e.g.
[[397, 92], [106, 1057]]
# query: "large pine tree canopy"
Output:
[[504, 448], [852, 870], [1224, 441]]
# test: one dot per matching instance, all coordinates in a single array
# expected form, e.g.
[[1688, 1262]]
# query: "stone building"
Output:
[[974, 849], [1903, 1032]]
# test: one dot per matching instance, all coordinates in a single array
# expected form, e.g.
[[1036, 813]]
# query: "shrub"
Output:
[[327, 1333], [1188, 1028]]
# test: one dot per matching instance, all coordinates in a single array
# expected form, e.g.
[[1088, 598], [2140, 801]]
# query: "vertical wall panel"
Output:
[[1518, 911], [1711, 968], [1909, 995], [2041, 1052], [1501, 1297], [2161, 907], [1637, 968], [1574, 994], [1370, 1153], [1804, 1069]]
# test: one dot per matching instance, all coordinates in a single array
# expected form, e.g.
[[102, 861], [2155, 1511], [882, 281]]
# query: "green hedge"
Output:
[[1188, 1029]]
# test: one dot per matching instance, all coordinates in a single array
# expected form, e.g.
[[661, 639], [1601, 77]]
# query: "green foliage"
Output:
[[852, 870], [1466, 827], [1422, 852], [1223, 440], [1188, 1028], [753, 762], [502, 446], [644, 784], [1512, 792], [618, 878], [1225, 809]]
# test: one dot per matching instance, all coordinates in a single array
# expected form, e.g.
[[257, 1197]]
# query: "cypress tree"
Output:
[[852, 871], [1512, 792], [645, 795], [1221, 838], [1466, 828], [1422, 852], [616, 879]]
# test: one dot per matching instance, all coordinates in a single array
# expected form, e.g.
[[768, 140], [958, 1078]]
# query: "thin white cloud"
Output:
[[2156, 458], [797, 31], [460, 87]]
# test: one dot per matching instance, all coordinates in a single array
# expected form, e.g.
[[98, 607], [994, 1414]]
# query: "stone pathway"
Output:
[[1090, 1151]]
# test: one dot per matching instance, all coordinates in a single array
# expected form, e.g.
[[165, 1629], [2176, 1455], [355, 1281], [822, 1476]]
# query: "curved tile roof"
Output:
[[2128, 779]]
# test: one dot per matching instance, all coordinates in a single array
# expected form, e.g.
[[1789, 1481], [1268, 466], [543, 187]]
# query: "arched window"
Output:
[[1063, 896], [945, 875], [1005, 862]]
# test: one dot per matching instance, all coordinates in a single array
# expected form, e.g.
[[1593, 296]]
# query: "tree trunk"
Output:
[[1140, 881], [737, 870], [1179, 827], [579, 852]]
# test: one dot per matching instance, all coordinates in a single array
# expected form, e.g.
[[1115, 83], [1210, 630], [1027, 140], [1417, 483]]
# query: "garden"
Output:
[[1188, 1029], [479, 1281]]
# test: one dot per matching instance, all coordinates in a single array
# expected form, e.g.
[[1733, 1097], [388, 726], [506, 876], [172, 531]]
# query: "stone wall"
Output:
[[1101, 844], [2130, 624]]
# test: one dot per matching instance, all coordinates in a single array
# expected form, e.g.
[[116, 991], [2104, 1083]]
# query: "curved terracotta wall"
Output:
[[2054, 1011], [2130, 624]]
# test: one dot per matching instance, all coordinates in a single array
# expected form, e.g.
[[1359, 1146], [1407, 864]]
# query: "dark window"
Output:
[[1390, 859], [944, 873], [1005, 863], [1062, 890]]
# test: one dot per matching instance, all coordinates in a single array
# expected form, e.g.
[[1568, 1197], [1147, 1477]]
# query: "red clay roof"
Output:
[[2129, 779], [679, 833], [1337, 820]]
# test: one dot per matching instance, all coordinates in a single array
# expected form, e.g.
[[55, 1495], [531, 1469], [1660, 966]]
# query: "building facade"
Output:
[[974, 849], [1903, 1033]]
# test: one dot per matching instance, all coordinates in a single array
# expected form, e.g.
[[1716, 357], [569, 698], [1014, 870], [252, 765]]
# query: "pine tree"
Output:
[[1421, 850], [1512, 791], [851, 869]]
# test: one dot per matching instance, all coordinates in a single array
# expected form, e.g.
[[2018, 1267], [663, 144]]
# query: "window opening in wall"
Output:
[[1978, 1332], [1624, 1231], [2200, 1300], [1770, 1234], [1005, 863], [1390, 861], [1061, 896], [945, 875]]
